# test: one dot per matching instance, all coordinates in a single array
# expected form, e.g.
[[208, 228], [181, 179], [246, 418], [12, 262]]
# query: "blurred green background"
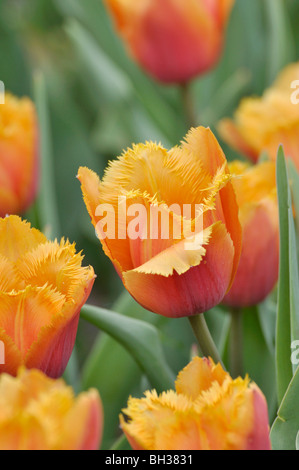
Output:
[[98, 103]]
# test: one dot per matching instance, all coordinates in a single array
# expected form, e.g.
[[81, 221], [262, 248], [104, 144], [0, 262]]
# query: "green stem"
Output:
[[236, 343], [121, 444], [204, 338], [188, 105]]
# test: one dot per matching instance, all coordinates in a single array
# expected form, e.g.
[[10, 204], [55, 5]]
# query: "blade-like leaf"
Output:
[[281, 49], [92, 17], [285, 428], [139, 338], [284, 370], [46, 202]]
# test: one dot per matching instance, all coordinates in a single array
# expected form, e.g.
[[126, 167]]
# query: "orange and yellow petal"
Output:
[[39, 413], [209, 411], [198, 377], [172, 40], [18, 154], [257, 271], [153, 263], [261, 124], [43, 288], [193, 291]]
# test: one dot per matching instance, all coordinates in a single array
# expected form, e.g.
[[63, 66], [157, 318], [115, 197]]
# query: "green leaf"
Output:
[[139, 338], [294, 185], [259, 359], [283, 325], [46, 202], [281, 46], [285, 428], [107, 355], [95, 21]]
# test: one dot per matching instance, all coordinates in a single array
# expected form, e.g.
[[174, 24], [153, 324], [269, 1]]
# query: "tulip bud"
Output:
[[208, 411], [18, 155], [42, 289], [179, 255], [39, 413], [173, 40], [257, 272]]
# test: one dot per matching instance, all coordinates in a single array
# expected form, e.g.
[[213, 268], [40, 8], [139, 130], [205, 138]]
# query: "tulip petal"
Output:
[[225, 414], [55, 264], [259, 437], [198, 377], [177, 258], [53, 347], [18, 154], [233, 137], [17, 237], [12, 356], [88, 412], [257, 272], [33, 309], [194, 291], [8, 275], [38, 413]]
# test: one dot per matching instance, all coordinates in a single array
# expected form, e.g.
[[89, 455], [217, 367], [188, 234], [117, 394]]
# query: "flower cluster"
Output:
[[186, 229]]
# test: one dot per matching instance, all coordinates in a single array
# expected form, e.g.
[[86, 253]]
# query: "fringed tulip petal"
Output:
[[16, 238], [196, 290], [209, 411], [42, 291], [38, 413], [18, 155], [176, 237], [53, 347], [198, 377], [261, 125]]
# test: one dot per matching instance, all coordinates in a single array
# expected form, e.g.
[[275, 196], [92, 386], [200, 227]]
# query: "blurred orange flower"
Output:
[[42, 289], [257, 272], [208, 411], [173, 40], [18, 155], [39, 413], [170, 274], [263, 124]]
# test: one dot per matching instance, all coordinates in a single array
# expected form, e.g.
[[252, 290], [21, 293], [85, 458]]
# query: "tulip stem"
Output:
[[204, 338], [188, 105], [236, 343]]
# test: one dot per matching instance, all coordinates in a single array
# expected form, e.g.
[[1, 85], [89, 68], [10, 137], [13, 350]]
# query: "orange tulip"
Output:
[[257, 272], [170, 273], [208, 411], [42, 289], [263, 124], [39, 413], [173, 40], [18, 155]]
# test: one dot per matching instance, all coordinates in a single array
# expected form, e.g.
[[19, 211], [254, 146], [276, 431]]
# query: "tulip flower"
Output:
[[172, 40], [257, 272], [261, 125], [39, 413], [42, 289], [169, 270], [18, 155], [208, 411]]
